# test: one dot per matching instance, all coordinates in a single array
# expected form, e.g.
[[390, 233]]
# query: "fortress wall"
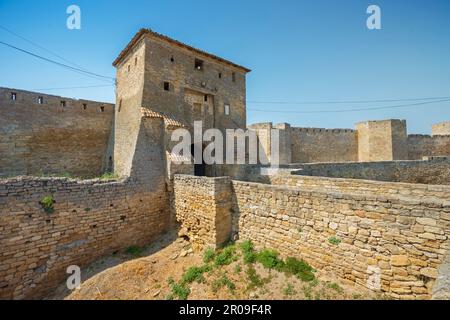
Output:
[[323, 145], [420, 146], [202, 207], [91, 219], [436, 171], [339, 185], [51, 139], [442, 128], [401, 240]]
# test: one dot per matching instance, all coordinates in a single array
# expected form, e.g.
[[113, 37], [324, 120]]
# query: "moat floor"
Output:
[[155, 275]]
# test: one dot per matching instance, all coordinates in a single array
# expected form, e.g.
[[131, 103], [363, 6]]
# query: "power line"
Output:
[[68, 88], [351, 110], [80, 71], [41, 47], [347, 102]]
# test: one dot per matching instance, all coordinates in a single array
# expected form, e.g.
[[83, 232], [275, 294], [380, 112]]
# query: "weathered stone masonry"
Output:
[[54, 135], [403, 238], [91, 219]]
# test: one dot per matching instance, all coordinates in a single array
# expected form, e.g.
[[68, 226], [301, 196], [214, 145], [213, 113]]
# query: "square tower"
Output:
[[177, 82], [384, 140]]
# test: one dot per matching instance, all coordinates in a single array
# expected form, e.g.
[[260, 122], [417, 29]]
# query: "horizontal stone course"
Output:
[[91, 219]]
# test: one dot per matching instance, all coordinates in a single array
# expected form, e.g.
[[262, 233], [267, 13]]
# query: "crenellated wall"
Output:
[[420, 146], [323, 145], [49, 138]]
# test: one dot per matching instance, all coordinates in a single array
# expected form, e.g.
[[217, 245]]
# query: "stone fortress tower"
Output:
[[159, 77]]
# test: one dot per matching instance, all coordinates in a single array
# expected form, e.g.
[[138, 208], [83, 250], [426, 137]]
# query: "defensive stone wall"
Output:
[[386, 242], [203, 208], [323, 145], [420, 146], [339, 185], [435, 171], [442, 128], [90, 219], [44, 134]]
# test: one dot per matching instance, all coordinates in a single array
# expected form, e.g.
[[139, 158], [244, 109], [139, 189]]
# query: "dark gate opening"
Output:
[[199, 169]]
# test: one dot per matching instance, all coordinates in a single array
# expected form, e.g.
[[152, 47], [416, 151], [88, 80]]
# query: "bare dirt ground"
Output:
[[157, 275]]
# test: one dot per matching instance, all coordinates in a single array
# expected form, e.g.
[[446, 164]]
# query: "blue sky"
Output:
[[298, 50]]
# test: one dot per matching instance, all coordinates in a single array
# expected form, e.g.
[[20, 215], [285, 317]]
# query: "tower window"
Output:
[[13, 96], [63, 103], [198, 64], [233, 76], [120, 105], [220, 75], [227, 110], [135, 61], [129, 68], [166, 86], [206, 98], [40, 100], [172, 59], [102, 109], [84, 106]]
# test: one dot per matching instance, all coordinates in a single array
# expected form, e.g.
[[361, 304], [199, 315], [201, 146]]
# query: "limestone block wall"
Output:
[[45, 134], [339, 185], [203, 209], [91, 219], [442, 128], [436, 171], [404, 241], [382, 140], [323, 145], [420, 146]]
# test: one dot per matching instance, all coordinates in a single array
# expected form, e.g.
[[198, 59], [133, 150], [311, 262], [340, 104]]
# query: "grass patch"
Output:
[[209, 255], [223, 281], [134, 251], [226, 256], [237, 269], [299, 268], [334, 240], [335, 287], [269, 259], [254, 278], [195, 274], [108, 176], [47, 204], [289, 290], [248, 251], [178, 290]]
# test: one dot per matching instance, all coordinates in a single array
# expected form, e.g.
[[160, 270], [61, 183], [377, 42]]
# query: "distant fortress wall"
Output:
[[45, 134], [385, 140]]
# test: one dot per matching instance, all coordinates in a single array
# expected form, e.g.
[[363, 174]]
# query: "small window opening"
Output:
[[129, 68], [84, 106], [135, 61], [220, 75], [206, 98], [198, 64], [227, 109], [120, 105], [166, 86], [13, 96], [63, 103], [102, 109], [40, 100], [172, 59], [233, 76]]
